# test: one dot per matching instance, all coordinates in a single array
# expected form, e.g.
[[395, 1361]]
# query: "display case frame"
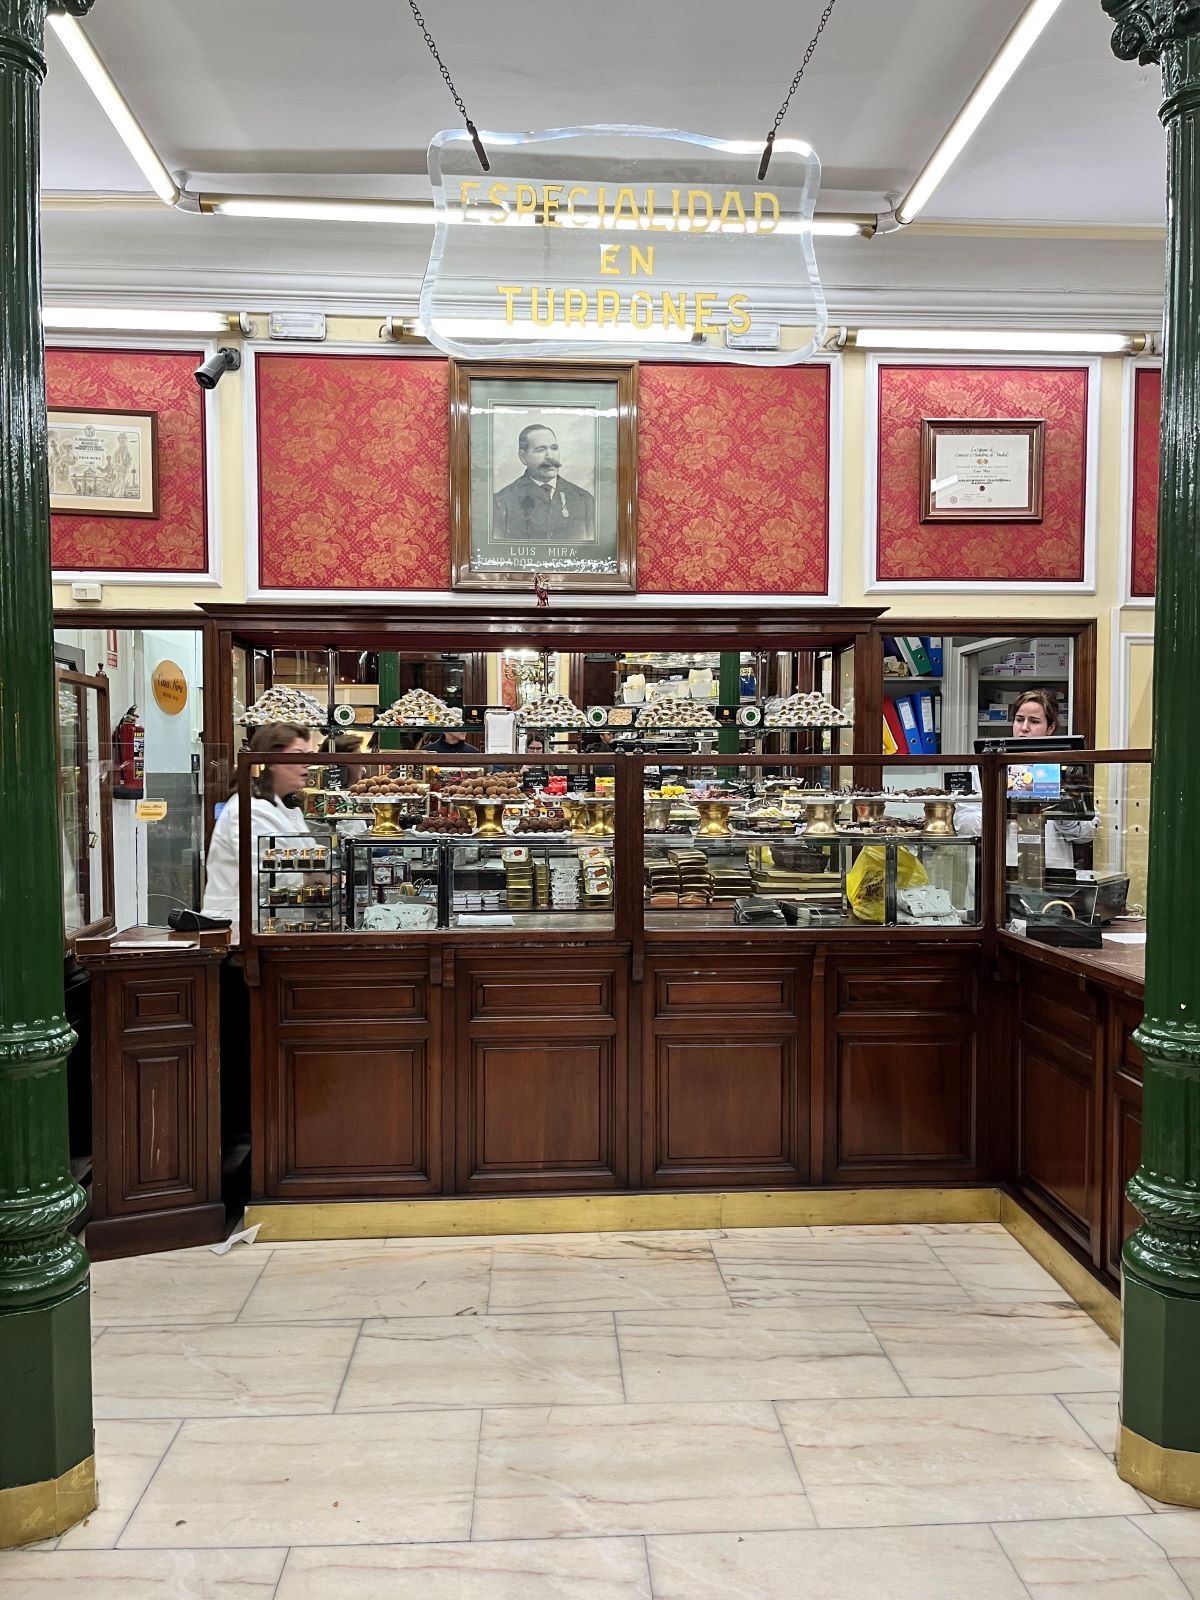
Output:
[[90, 694]]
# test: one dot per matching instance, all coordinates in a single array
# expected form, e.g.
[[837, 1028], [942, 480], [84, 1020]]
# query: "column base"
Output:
[[1170, 1475], [35, 1511]]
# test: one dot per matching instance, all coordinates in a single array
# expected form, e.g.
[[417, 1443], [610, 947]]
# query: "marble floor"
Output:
[[857, 1413]]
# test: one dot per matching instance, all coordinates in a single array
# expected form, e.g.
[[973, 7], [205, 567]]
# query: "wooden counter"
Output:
[[156, 1126], [472, 1067], [1076, 1124]]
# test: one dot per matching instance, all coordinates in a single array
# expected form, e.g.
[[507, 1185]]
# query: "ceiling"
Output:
[[303, 96]]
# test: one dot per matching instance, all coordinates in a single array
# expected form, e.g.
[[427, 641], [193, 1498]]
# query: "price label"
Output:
[[151, 810]]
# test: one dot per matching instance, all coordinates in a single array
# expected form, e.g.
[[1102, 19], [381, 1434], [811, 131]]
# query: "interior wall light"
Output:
[[1000, 341], [987, 91], [114, 105], [133, 319]]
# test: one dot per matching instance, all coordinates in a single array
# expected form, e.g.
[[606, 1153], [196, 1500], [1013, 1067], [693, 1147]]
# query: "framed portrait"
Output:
[[103, 463], [982, 470], [543, 475]]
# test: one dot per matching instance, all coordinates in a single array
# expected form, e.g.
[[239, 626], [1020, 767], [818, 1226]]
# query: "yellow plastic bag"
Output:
[[865, 880]]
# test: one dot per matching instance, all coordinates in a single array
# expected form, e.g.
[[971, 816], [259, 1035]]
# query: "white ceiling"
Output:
[[296, 95]]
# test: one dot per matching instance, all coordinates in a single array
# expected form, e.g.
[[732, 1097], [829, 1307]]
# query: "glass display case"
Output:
[[1076, 846], [85, 803], [759, 846], [431, 843]]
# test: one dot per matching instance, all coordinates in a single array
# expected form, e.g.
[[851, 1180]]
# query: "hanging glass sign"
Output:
[[622, 241]]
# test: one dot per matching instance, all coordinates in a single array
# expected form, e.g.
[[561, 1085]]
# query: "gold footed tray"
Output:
[[714, 819]]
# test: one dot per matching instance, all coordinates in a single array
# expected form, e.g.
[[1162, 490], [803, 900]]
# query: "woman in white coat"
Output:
[[275, 797]]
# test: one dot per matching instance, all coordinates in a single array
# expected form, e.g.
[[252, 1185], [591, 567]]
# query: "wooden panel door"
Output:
[[901, 1098], [350, 1105], [1060, 1044], [725, 1066], [156, 1178], [541, 1074]]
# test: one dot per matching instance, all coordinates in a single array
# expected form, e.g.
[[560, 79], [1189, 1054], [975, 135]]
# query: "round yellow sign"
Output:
[[169, 687]]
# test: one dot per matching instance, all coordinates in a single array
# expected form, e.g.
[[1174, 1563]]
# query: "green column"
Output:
[[729, 693], [47, 1474], [1159, 1447]]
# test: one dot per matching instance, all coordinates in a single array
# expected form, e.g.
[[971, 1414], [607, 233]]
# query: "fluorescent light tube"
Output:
[[300, 208], [114, 105], [984, 96], [997, 339], [122, 319], [526, 328]]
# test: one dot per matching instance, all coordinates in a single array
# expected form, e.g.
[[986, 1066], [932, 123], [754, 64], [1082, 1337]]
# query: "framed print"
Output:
[[981, 470], [543, 475], [103, 463]]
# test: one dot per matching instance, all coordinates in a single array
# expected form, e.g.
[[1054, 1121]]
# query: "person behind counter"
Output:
[[448, 741], [275, 799], [1035, 716]]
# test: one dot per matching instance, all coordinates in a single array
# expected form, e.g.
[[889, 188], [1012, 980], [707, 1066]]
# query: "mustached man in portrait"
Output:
[[541, 506]]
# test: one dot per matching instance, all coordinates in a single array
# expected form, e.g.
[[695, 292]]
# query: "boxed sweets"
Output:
[[421, 709], [550, 711], [281, 704]]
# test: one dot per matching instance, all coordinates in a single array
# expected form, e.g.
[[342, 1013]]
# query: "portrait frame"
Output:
[[1027, 507], [103, 425], [595, 519]]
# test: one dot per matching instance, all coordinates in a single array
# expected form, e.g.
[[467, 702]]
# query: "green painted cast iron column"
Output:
[[1159, 1447], [47, 1473]]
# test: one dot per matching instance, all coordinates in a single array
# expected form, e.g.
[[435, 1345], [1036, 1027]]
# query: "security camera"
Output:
[[209, 373]]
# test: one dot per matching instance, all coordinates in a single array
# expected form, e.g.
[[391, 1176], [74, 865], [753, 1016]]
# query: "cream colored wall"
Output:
[[1102, 604]]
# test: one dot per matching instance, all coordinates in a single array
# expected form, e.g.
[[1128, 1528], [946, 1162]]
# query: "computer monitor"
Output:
[[1027, 747]]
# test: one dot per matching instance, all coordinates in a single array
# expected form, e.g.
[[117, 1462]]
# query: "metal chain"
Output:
[[443, 69], [787, 99], [808, 55]]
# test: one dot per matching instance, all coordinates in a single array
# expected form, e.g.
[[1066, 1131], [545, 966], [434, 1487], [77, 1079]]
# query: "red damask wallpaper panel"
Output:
[[733, 479], [176, 541], [353, 472], [1147, 404], [1051, 551], [354, 486]]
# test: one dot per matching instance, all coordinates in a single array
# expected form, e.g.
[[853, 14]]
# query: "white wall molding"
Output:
[[1128, 449], [873, 584], [210, 577]]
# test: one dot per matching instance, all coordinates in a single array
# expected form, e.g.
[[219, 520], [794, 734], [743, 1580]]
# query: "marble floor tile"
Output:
[[180, 1286], [128, 1455], [562, 1470], [220, 1370], [849, 1271], [992, 1272], [371, 1281], [527, 1569], [141, 1575], [976, 1459], [1011, 1348], [807, 1352], [258, 1481], [1089, 1556], [611, 1273], [1098, 1415], [1177, 1534], [406, 1363], [828, 1564]]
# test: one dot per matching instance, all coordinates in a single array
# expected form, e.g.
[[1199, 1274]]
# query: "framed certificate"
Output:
[[987, 470], [103, 463]]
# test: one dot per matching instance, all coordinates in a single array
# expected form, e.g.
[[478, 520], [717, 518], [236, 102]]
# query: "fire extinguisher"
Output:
[[129, 758]]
